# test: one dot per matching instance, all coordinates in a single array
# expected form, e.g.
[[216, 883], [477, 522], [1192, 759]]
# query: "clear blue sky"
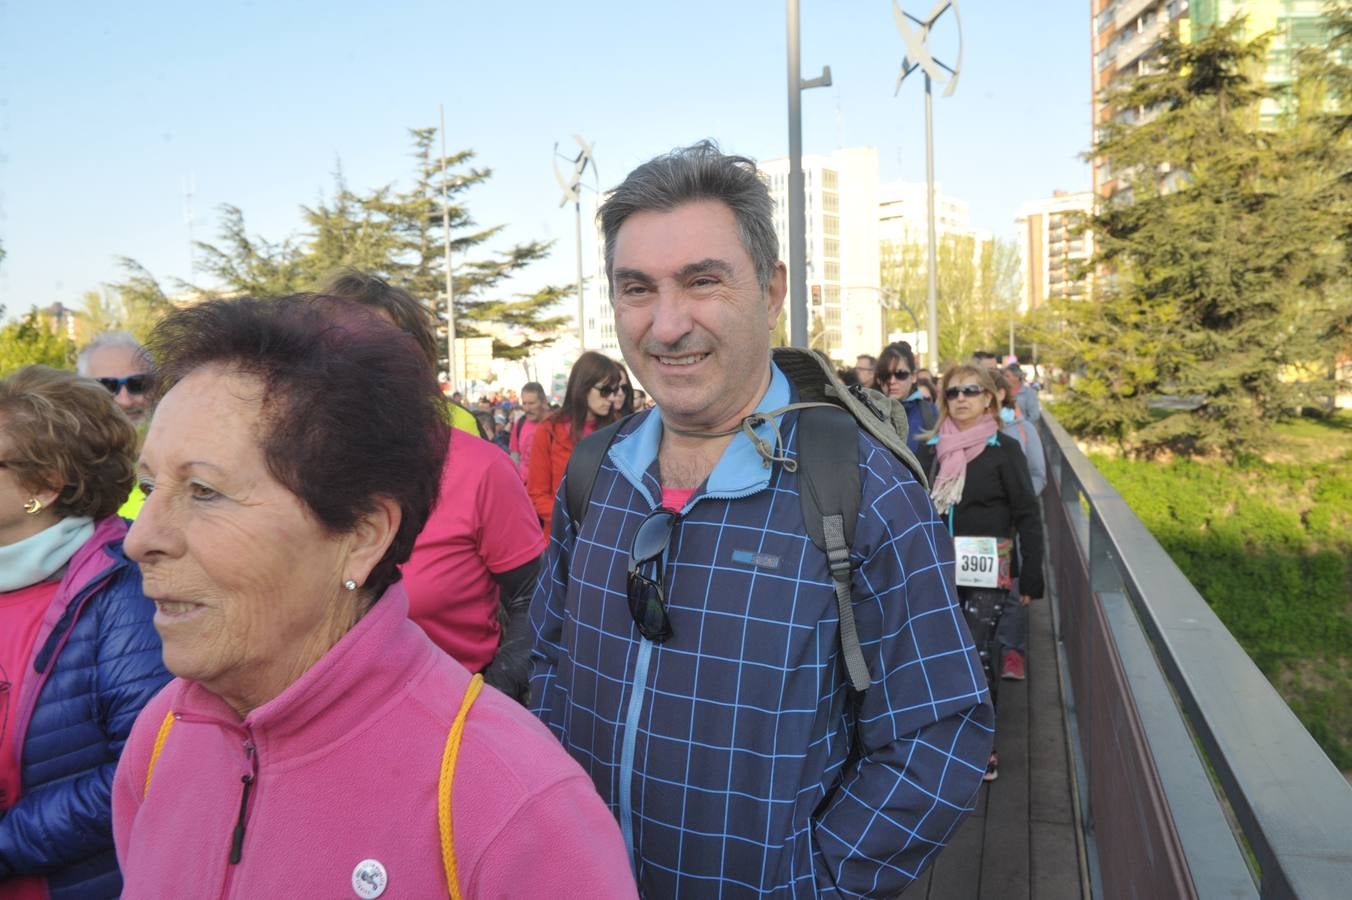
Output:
[[105, 109]]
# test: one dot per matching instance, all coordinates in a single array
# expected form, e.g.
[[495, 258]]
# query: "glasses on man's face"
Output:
[[896, 375], [647, 596], [965, 390], [135, 384]]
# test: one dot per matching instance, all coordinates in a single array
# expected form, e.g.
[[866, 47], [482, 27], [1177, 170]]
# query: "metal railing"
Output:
[[1199, 781]]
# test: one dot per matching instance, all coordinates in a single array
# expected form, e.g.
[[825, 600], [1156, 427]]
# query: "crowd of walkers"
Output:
[[279, 620]]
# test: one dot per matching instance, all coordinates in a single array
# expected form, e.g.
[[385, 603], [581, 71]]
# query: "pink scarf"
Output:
[[956, 449]]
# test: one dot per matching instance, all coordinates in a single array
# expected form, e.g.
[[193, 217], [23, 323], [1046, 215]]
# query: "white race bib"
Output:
[[978, 561]]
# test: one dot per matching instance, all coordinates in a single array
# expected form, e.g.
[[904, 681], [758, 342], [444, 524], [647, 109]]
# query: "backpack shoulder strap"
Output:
[[829, 490], [446, 782], [580, 473]]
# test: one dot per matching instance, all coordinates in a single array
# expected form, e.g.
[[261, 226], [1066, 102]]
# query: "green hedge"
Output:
[[1269, 545]]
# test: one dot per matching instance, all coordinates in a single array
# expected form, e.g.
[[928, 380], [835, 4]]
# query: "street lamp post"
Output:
[[446, 232], [572, 190], [918, 56], [797, 200]]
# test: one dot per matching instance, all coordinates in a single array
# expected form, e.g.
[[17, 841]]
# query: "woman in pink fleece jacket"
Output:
[[315, 743]]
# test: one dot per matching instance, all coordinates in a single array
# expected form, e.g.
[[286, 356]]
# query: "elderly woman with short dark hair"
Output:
[[315, 742], [79, 656]]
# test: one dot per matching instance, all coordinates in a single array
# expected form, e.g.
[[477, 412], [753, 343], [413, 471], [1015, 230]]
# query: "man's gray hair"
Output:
[[107, 339], [698, 172]]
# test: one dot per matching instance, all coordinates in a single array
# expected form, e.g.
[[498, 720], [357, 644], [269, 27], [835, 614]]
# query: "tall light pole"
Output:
[[446, 233], [572, 190], [918, 56], [797, 201]]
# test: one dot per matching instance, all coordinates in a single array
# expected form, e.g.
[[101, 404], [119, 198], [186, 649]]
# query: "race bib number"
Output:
[[982, 562]]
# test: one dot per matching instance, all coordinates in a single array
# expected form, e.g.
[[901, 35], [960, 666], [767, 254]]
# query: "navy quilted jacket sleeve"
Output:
[[109, 668]]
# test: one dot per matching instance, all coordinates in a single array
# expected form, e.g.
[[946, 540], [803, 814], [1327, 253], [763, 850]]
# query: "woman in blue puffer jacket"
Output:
[[79, 655]]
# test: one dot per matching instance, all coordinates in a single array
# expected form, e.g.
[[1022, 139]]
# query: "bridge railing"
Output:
[[1199, 781]]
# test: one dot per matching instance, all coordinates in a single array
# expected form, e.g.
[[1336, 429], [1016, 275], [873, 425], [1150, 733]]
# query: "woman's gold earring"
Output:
[[33, 506]]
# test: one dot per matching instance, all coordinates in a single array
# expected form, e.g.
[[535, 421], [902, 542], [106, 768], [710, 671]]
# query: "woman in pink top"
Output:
[[315, 742]]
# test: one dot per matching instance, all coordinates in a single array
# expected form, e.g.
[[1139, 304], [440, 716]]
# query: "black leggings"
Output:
[[983, 608]]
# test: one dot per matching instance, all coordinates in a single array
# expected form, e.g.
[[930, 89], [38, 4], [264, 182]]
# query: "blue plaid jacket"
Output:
[[735, 756]]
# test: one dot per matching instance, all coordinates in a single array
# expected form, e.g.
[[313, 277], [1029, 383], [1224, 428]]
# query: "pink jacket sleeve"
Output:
[[569, 825], [129, 781]]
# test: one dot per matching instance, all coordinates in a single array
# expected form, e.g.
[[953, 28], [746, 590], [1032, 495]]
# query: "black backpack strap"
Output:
[[829, 490], [580, 473]]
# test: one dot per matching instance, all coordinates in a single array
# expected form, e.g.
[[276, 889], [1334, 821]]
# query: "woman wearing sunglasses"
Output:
[[79, 656], [897, 379], [588, 404], [982, 490]]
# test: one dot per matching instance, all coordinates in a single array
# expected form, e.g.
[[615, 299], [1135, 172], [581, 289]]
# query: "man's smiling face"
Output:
[[692, 320]]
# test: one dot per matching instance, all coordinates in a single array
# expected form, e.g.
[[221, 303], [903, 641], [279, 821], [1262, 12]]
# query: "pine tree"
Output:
[[1219, 257], [397, 234]]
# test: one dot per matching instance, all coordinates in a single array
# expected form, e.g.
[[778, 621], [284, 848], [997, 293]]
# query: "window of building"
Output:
[[831, 226], [828, 179], [831, 248], [830, 201], [832, 270]]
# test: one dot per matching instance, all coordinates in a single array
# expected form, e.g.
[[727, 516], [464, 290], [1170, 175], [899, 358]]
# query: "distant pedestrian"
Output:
[[534, 408], [897, 378], [79, 654], [981, 487], [865, 367], [116, 360], [588, 404]]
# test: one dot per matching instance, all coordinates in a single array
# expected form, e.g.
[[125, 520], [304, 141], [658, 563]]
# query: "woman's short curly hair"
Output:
[[351, 407], [65, 432]]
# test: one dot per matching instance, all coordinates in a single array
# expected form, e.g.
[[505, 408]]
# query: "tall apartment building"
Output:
[[1052, 248], [1124, 34], [842, 246], [1292, 23]]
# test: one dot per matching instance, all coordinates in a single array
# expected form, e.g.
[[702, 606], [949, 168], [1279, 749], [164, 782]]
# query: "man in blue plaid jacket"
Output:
[[687, 648]]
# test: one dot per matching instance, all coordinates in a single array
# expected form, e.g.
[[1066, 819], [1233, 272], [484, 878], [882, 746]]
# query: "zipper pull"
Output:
[[237, 839], [237, 842]]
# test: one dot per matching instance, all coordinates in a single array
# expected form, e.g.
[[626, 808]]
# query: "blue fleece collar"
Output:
[[740, 471]]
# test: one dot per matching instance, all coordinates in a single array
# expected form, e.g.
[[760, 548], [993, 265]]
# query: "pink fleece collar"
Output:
[[370, 667]]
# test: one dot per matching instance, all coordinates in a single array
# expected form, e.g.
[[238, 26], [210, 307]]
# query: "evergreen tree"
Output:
[[397, 234], [1220, 256]]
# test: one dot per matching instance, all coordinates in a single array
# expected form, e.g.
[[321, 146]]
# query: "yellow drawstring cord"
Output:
[[444, 785], [159, 745]]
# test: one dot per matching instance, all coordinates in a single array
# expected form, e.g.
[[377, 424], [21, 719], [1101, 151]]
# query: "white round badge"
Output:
[[369, 879]]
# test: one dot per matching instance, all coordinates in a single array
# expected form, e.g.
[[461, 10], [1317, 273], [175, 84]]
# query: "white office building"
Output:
[[841, 211]]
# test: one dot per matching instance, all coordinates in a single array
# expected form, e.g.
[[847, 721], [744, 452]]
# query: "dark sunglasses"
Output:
[[607, 391], [135, 384], [966, 390], [647, 596], [898, 374]]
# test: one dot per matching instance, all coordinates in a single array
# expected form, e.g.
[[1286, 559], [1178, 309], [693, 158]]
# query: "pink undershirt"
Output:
[[675, 499], [21, 614]]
